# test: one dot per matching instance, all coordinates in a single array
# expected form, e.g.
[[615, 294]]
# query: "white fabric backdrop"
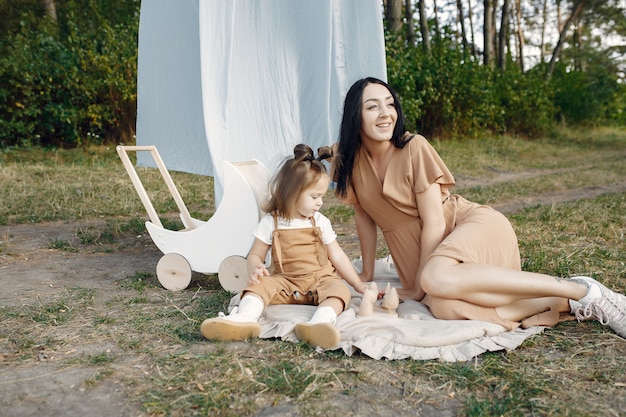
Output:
[[169, 93], [236, 80]]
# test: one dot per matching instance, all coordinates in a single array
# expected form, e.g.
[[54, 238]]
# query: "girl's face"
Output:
[[310, 200], [378, 113]]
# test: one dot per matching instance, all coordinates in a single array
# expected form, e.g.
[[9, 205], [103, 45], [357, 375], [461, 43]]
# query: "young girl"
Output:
[[305, 258]]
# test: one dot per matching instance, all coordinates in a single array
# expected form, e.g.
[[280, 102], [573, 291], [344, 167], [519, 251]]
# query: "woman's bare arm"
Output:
[[434, 226], [367, 231]]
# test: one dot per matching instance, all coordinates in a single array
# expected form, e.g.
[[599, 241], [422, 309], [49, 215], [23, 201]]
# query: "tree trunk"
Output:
[[494, 32], [50, 8], [408, 15], [394, 15], [424, 25], [542, 52], [470, 15], [461, 16], [577, 8], [503, 36], [520, 34], [437, 30], [488, 49], [578, 62]]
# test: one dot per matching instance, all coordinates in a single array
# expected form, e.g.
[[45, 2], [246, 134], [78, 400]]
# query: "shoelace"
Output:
[[592, 311]]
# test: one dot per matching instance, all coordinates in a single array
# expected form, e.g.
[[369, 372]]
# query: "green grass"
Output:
[[148, 339], [81, 184], [585, 237]]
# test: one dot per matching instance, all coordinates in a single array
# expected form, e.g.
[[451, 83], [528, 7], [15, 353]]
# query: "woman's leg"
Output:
[[492, 286], [546, 311], [522, 309], [514, 294]]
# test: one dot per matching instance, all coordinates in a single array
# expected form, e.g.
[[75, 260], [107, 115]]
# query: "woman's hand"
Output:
[[365, 277]]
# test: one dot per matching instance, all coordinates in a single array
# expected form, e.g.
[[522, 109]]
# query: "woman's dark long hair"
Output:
[[350, 132]]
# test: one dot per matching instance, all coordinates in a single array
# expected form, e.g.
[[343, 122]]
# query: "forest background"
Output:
[[463, 68]]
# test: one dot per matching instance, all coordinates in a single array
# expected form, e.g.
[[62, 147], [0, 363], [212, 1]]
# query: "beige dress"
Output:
[[474, 233]]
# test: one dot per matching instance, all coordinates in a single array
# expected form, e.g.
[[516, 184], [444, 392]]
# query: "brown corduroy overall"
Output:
[[301, 270]]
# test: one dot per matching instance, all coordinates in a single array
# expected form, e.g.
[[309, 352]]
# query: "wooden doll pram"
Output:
[[202, 246]]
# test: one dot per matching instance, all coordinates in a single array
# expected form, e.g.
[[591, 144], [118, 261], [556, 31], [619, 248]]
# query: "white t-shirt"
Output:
[[264, 229]]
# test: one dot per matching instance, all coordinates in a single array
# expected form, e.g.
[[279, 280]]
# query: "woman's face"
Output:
[[378, 113]]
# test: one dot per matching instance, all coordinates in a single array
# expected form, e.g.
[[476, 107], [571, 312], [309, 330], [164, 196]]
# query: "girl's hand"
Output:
[[360, 288], [256, 273]]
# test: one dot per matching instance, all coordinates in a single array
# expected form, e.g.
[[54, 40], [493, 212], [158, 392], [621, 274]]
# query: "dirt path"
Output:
[[530, 200], [31, 272]]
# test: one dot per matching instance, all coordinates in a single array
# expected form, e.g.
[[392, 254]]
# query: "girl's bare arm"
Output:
[[256, 261], [344, 267]]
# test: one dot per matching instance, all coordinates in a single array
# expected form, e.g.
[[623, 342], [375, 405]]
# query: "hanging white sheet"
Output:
[[241, 79]]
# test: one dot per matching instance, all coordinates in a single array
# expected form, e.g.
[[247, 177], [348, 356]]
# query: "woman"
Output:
[[459, 258]]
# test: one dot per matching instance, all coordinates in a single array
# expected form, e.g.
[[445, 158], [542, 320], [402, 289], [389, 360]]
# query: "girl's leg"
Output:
[[321, 330], [240, 325], [336, 304], [492, 286]]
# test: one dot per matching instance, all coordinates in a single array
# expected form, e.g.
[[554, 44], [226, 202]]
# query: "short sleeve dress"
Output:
[[474, 233]]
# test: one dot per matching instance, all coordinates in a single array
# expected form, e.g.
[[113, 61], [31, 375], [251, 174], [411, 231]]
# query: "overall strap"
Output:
[[276, 243]]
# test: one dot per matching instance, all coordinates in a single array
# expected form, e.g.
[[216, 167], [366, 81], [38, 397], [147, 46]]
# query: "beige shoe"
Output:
[[324, 335], [219, 328]]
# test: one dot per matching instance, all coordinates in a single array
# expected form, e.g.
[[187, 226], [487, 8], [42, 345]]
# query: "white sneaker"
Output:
[[602, 304]]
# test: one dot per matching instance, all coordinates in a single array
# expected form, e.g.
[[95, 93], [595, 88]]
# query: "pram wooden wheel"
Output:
[[233, 273], [173, 272]]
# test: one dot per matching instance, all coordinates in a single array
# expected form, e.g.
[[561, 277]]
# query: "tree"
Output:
[[489, 29], [408, 13], [393, 13], [437, 30], [461, 17], [519, 34], [424, 25], [544, 22], [503, 36], [50, 8], [470, 16], [577, 9]]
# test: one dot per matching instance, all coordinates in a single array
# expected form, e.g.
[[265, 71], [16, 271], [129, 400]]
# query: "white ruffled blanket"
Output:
[[415, 333]]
